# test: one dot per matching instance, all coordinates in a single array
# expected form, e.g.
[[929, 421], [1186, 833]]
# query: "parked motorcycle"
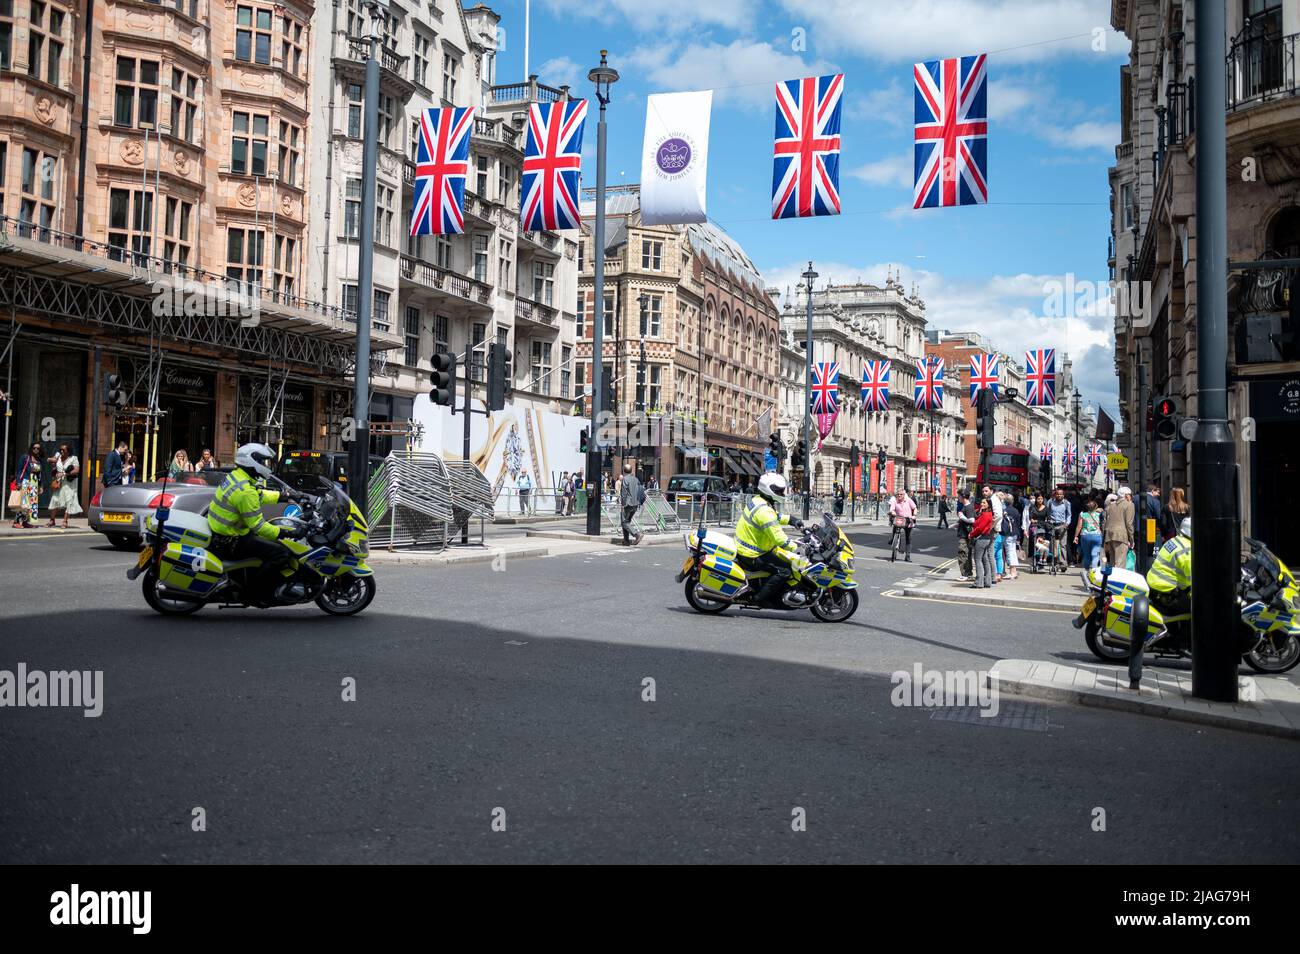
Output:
[[822, 581], [180, 574], [1267, 596]]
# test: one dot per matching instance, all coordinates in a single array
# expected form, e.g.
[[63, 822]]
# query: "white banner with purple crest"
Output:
[[674, 158]]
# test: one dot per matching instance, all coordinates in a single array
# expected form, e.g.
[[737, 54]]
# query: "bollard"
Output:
[[1139, 619]]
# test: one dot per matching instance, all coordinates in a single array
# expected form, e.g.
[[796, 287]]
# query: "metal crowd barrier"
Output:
[[471, 497], [710, 508], [658, 514], [420, 500]]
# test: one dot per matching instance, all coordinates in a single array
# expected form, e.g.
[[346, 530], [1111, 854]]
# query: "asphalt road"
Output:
[[519, 695]]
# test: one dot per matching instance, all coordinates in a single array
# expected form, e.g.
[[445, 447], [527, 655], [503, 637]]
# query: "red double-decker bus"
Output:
[[1008, 469]]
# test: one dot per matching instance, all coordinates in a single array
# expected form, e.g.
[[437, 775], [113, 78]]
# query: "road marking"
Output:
[[895, 594]]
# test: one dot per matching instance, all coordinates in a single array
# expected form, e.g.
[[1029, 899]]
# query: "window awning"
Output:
[[728, 457], [751, 466], [696, 452]]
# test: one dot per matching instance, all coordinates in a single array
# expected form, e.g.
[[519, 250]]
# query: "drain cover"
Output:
[[1011, 715]]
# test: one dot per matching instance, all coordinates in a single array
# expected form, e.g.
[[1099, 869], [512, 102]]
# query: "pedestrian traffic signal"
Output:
[[775, 447], [114, 395], [496, 382], [584, 440], [985, 437], [444, 380], [1164, 418]]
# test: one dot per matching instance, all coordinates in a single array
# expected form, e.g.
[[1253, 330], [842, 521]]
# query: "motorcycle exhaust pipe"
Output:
[[709, 596]]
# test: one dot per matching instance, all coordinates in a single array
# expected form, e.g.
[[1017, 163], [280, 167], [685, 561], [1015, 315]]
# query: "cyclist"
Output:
[[902, 514], [1059, 518]]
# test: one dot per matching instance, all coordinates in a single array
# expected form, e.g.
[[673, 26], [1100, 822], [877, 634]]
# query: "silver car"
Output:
[[119, 512]]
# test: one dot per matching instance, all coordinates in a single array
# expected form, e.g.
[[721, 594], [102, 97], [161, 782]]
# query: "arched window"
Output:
[[1284, 233]]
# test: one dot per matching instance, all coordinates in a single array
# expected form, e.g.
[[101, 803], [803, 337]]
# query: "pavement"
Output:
[[1060, 591], [576, 696]]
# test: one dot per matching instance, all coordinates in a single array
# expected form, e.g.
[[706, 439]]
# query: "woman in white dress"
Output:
[[66, 470]]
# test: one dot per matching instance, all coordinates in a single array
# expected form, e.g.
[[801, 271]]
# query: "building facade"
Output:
[[853, 324], [1154, 248], [689, 342]]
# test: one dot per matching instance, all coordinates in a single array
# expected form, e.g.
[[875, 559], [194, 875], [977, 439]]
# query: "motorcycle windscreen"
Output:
[[192, 569], [721, 575]]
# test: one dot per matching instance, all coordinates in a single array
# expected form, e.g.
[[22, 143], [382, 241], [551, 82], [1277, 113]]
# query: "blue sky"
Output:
[[1054, 120]]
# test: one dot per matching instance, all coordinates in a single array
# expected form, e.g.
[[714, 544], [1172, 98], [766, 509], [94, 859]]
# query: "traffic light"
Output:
[[800, 452], [775, 447], [444, 379], [114, 395], [1164, 418], [984, 433], [496, 382], [584, 440]]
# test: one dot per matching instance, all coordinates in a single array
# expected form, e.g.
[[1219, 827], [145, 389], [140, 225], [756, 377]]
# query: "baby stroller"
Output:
[[1040, 558]]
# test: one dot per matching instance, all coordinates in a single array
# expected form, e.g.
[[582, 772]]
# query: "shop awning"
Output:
[[728, 457], [696, 452], [752, 466]]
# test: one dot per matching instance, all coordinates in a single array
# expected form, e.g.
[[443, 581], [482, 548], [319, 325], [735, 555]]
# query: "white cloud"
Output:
[[742, 73], [561, 71], [926, 29], [890, 104], [1084, 135], [1010, 311], [890, 171]]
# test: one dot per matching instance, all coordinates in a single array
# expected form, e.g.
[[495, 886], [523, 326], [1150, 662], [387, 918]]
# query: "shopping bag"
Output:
[[1130, 561]]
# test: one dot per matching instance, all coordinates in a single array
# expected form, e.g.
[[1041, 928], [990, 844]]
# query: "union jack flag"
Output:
[[984, 373], [1046, 453], [875, 385], [1094, 459], [825, 387], [441, 166], [951, 135], [1040, 377], [806, 154], [552, 158], [929, 384], [1068, 457]]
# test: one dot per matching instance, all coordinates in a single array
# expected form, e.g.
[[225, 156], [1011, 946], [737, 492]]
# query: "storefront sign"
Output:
[[187, 382], [1275, 399]]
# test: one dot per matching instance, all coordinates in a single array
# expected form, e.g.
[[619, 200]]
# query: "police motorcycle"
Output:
[[822, 581], [180, 574], [1267, 596]]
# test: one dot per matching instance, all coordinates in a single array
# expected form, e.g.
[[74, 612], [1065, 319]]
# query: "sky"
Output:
[[1001, 269]]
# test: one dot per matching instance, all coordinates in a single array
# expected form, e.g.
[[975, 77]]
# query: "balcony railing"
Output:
[[546, 239], [496, 130], [440, 279], [357, 50], [1261, 68], [528, 310], [529, 92], [154, 268]]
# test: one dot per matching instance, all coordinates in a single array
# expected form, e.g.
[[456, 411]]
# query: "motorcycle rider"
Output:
[[1170, 576], [760, 544], [239, 531]]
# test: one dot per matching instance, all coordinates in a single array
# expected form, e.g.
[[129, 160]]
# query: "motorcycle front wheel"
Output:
[[707, 607], [161, 604], [1092, 636], [1264, 658], [835, 605], [346, 595]]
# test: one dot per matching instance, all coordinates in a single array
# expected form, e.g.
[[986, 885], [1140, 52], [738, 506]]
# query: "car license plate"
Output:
[[686, 567], [117, 518], [1088, 607], [145, 556]]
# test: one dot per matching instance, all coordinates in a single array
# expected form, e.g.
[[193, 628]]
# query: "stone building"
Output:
[[1153, 243], [692, 299], [853, 324]]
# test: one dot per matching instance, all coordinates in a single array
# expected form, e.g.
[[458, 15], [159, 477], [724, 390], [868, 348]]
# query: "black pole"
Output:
[[84, 123], [808, 278], [601, 76], [469, 357], [96, 397], [1216, 530], [1140, 472]]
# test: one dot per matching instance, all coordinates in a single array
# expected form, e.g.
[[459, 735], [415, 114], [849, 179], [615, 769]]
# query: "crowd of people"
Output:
[[997, 530]]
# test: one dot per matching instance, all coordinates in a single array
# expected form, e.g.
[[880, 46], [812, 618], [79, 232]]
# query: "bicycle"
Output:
[[897, 539]]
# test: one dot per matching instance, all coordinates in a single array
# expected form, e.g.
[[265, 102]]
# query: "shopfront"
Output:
[[285, 427], [1275, 464], [45, 388]]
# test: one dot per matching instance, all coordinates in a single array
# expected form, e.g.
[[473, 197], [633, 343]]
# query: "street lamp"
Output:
[[808, 278], [359, 452], [604, 77]]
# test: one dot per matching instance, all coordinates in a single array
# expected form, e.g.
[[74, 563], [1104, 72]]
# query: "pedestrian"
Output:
[[25, 490], [1060, 518], [179, 466], [944, 509], [1153, 512], [1037, 515], [206, 461], [965, 519], [1176, 510], [63, 485], [996, 506], [1088, 536], [1010, 537], [1117, 529], [114, 463], [524, 486], [630, 496], [982, 538], [561, 493]]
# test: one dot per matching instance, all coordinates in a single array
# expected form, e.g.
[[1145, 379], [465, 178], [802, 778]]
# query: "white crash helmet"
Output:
[[1185, 528], [257, 458], [772, 487]]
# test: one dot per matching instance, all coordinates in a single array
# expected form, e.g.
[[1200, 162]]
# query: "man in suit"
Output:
[[113, 465], [1117, 529]]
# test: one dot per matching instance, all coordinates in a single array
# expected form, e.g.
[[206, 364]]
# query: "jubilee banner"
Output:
[[674, 158]]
